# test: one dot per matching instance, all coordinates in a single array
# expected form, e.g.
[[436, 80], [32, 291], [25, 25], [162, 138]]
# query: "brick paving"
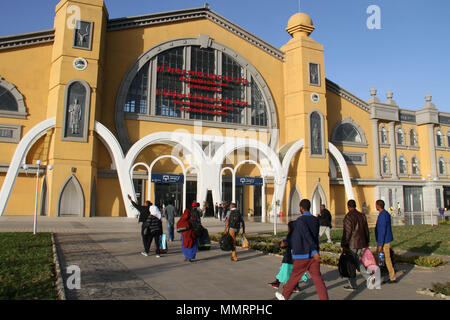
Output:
[[107, 252]]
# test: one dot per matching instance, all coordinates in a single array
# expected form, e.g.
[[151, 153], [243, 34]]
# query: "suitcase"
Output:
[[163, 244]]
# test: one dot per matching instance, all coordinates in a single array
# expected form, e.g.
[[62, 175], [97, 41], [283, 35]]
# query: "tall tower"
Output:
[[306, 111], [74, 99]]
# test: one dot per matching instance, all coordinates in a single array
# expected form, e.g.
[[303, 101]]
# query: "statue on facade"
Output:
[[75, 117]]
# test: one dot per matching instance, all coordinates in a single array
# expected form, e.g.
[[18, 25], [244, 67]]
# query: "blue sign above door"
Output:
[[249, 181], [167, 178]]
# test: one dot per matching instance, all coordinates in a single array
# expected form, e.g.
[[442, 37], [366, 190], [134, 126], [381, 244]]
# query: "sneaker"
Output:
[[275, 284], [389, 281], [279, 296], [296, 289], [145, 254], [158, 256], [349, 288]]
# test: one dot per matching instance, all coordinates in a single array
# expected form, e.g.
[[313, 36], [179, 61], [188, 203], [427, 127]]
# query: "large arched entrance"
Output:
[[71, 199]]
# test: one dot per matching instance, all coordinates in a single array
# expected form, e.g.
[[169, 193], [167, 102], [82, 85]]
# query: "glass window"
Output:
[[233, 91], [402, 165], [413, 138], [385, 165], [448, 139], [415, 166], [7, 100], [136, 101], [400, 137], [169, 83], [413, 197], [441, 166], [384, 135], [203, 60], [198, 84], [347, 133], [439, 138], [259, 113]]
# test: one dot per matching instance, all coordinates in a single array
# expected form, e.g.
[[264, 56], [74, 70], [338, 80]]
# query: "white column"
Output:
[[263, 200], [392, 141], [376, 149]]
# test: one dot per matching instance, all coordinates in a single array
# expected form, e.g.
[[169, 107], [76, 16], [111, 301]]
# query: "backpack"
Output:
[[235, 219]]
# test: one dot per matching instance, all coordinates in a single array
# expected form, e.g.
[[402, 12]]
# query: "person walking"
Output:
[[189, 244], [325, 222], [286, 264], [355, 238], [144, 212], [169, 213], [304, 241], [154, 229], [232, 226], [384, 237]]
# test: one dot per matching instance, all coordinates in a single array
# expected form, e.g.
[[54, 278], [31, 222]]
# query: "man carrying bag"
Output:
[[233, 224]]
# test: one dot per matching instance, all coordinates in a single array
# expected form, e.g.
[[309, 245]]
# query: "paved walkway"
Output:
[[107, 252]]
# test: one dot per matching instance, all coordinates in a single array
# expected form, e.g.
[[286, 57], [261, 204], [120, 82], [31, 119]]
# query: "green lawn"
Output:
[[420, 239], [26, 267]]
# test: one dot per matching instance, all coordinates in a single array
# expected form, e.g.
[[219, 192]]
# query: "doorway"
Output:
[[165, 192], [71, 199]]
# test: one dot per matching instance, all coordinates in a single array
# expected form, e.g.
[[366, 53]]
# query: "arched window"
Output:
[[400, 137], [385, 164], [196, 82], [415, 166], [413, 138], [348, 132], [316, 134], [403, 169], [439, 138], [384, 135], [11, 101], [441, 166], [448, 139]]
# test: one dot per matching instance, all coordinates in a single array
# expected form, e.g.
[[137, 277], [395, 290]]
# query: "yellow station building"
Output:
[[185, 105]]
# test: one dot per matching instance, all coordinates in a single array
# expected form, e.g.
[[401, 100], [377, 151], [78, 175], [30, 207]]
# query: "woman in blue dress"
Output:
[[189, 244]]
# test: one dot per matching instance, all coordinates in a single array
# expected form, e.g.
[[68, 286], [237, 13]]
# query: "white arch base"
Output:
[[209, 169]]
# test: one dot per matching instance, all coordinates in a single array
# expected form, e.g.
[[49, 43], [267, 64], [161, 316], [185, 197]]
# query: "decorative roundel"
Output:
[[315, 97], [80, 64]]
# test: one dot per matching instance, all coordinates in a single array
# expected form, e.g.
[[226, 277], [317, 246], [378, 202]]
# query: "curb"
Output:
[[431, 293], [59, 280]]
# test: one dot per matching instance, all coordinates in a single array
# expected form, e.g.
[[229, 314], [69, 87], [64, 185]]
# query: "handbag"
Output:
[[182, 229]]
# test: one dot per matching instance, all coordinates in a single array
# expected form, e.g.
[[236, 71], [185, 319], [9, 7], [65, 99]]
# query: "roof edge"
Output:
[[193, 14], [347, 95], [26, 39]]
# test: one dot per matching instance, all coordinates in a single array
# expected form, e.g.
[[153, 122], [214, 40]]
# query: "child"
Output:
[[287, 264]]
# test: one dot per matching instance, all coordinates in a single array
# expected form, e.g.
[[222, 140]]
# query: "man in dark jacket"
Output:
[[304, 241], [144, 212], [384, 237], [325, 222], [355, 238]]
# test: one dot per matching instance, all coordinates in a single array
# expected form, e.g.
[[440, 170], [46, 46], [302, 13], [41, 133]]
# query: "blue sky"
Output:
[[410, 54]]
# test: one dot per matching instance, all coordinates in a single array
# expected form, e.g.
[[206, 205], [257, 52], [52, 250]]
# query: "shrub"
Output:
[[329, 247], [444, 222], [441, 288]]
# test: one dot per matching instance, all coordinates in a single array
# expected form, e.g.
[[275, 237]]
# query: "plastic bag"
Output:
[[367, 258], [244, 242]]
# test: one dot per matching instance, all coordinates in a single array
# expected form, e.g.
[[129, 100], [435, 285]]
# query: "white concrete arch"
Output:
[[19, 155], [263, 189], [149, 178], [180, 163], [344, 170], [231, 145]]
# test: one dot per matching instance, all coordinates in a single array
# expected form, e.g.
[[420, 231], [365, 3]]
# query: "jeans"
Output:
[[298, 270], [157, 236], [358, 253], [327, 232], [170, 231]]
